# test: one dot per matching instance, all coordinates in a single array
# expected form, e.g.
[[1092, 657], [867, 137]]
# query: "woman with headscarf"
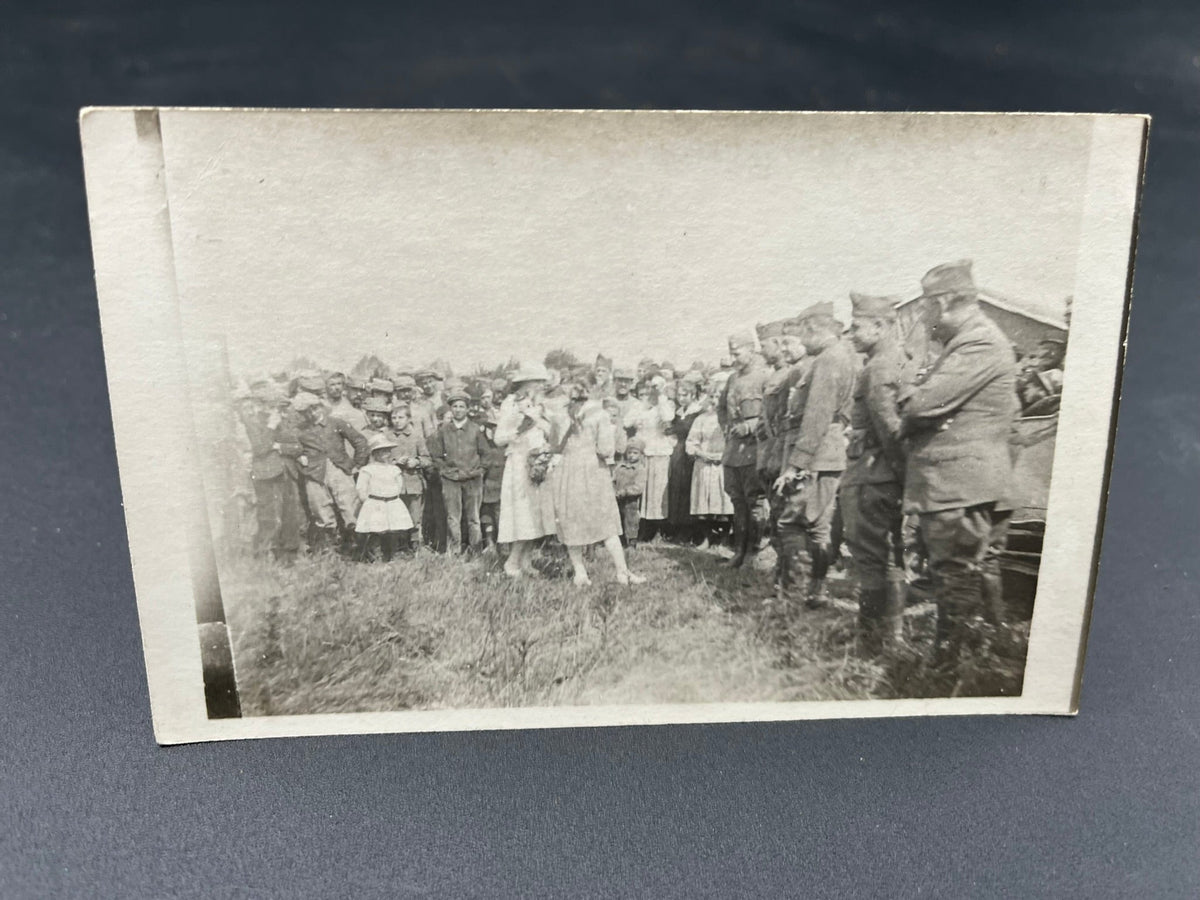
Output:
[[585, 504], [652, 419], [523, 430]]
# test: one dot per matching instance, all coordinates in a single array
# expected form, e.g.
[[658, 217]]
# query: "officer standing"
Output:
[[738, 412], [958, 421], [814, 453], [779, 381], [872, 490]]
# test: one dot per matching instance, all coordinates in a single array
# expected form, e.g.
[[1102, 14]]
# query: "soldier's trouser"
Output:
[[805, 524], [345, 496], [462, 500], [268, 513], [964, 547], [873, 523], [774, 501], [744, 490]]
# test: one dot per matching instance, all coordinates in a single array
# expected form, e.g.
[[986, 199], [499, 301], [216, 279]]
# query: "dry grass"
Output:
[[444, 632]]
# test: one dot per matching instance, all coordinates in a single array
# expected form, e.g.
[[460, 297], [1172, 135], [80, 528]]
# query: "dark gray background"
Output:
[[1103, 805]]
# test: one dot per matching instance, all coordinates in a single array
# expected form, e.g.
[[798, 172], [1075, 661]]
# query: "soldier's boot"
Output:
[[741, 534], [872, 607], [791, 585], [817, 597], [959, 596], [893, 611]]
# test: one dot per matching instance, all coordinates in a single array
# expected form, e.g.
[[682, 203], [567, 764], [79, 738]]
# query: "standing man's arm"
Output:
[[819, 410]]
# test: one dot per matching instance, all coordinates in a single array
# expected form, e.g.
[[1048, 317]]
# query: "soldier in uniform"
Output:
[[872, 489], [738, 412], [814, 453], [958, 421], [769, 462]]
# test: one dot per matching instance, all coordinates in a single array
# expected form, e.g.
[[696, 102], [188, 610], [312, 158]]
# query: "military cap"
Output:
[[376, 405], [793, 326], [311, 382], [401, 370], [426, 375], [458, 395], [604, 362], [741, 339], [356, 384], [381, 385], [304, 401], [817, 310], [622, 375], [949, 278], [693, 377], [403, 382], [770, 330], [872, 306]]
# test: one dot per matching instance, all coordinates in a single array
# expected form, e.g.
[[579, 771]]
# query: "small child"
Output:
[[383, 514], [493, 475], [629, 483]]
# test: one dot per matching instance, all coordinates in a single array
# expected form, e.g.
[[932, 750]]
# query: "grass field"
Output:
[[434, 631]]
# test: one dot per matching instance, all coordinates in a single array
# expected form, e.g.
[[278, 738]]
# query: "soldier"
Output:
[[603, 377], [339, 403], [769, 461], [958, 421], [738, 411], [814, 453], [328, 469], [872, 489]]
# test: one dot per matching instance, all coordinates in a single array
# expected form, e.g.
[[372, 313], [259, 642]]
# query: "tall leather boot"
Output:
[[872, 606], [958, 598], [740, 545], [819, 561], [893, 611], [791, 587]]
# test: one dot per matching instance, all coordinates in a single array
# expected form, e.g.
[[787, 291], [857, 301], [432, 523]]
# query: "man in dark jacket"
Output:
[[814, 453], [328, 470], [872, 489], [959, 421], [458, 449]]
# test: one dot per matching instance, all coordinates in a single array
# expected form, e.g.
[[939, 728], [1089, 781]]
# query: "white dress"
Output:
[[526, 509], [379, 488], [706, 443], [652, 424]]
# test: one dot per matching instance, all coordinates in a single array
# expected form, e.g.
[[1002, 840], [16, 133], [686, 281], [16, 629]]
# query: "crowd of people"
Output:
[[809, 432]]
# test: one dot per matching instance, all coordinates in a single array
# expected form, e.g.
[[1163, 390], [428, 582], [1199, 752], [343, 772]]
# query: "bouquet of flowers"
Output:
[[541, 461]]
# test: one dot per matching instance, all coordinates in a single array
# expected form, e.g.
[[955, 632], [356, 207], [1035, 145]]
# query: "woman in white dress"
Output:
[[526, 510], [652, 420]]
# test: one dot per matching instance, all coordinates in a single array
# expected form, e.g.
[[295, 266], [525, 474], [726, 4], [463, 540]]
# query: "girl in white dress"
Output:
[[380, 487]]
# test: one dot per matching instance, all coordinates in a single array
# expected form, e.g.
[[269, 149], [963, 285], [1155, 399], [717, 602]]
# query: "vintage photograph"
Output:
[[540, 410]]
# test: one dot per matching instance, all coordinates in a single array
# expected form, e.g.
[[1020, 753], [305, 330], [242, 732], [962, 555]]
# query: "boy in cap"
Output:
[[872, 489], [458, 449], [738, 411], [629, 483], [958, 471], [412, 456], [814, 456]]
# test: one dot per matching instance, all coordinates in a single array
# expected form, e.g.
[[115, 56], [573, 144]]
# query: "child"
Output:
[[380, 486], [493, 477], [706, 445], [629, 483], [412, 456]]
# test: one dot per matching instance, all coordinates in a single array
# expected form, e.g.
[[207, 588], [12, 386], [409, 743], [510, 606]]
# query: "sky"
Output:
[[479, 238]]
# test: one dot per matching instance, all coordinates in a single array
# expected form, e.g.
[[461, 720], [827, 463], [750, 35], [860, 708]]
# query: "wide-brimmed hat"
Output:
[[379, 442], [376, 405], [530, 372]]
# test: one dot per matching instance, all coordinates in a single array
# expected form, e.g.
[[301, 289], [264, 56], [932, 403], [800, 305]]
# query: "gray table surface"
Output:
[[1106, 804]]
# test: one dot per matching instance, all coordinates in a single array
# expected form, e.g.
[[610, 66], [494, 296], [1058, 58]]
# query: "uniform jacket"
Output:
[[327, 441], [959, 421], [819, 410], [741, 403], [772, 425], [266, 461], [875, 453], [458, 452]]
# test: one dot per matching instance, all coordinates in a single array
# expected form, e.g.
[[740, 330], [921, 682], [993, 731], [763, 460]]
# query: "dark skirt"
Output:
[[679, 479]]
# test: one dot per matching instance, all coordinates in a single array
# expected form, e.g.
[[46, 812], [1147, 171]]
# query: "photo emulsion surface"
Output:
[[511, 419]]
